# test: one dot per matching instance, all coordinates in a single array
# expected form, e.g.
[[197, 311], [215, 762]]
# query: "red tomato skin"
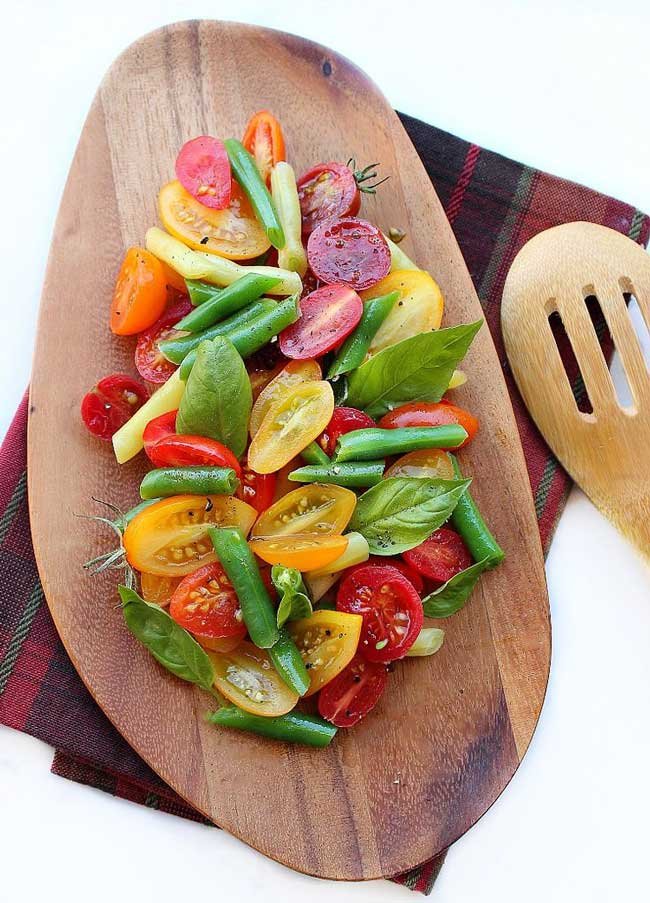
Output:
[[343, 420], [360, 593], [353, 693], [327, 191], [327, 317], [187, 451], [111, 403], [424, 413], [349, 250], [410, 573], [257, 489], [212, 624], [203, 169], [159, 428], [150, 363], [440, 557]]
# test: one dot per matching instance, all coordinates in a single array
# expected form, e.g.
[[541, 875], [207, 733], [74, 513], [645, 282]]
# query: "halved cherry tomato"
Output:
[[111, 403], [418, 309], [263, 139], [247, 677], [158, 590], [169, 538], [206, 604], [258, 489], [327, 191], [353, 693], [327, 317], [187, 451], [410, 573], [426, 462], [151, 364], [234, 233], [290, 424], [292, 374], [219, 644], [343, 420], [440, 557], [301, 551], [391, 610], [424, 413], [157, 429], [327, 641], [175, 284], [314, 509], [349, 250], [140, 293], [203, 169]]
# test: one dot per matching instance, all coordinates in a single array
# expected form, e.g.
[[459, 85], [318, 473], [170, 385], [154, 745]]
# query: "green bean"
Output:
[[294, 727], [467, 520], [351, 474], [241, 568], [200, 292], [353, 351], [175, 349], [289, 664], [285, 196], [199, 480], [248, 175], [370, 444], [227, 301], [314, 454]]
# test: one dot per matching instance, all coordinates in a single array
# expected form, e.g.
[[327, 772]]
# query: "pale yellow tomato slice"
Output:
[[327, 642], [418, 309], [314, 509], [427, 462], [293, 374], [246, 676], [300, 551]]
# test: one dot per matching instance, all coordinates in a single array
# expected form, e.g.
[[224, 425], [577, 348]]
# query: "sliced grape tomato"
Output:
[[327, 191], [203, 169], [440, 557], [327, 317], [110, 403], [343, 420], [349, 250], [353, 693]]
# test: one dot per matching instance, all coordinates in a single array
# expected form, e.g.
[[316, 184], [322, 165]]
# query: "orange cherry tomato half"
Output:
[[426, 462], [158, 590], [302, 552], [263, 139], [292, 374], [327, 317], [247, 677], [203, 169], [140, 293], [424, 413], [314, 509], [327, 642], [206, 604]]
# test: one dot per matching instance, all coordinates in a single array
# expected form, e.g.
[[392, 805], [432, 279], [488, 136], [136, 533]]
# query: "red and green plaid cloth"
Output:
[[494, 205]]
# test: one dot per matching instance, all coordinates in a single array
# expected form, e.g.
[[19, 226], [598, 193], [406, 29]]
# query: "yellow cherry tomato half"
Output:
[[290, 424], [327, 642], [418, 308], [158, 590], [427, 462], [293, 374], [234, 233], [302, 552], [314, 509], [170, 539], [246, 676]]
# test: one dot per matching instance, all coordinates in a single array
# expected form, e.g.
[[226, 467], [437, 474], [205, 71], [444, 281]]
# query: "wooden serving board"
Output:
[[451, 730]]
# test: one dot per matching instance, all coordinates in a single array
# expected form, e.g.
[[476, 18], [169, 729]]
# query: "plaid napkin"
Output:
[[494, 206]]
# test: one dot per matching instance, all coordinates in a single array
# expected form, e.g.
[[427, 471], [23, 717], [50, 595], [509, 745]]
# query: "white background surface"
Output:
[[559, 85]]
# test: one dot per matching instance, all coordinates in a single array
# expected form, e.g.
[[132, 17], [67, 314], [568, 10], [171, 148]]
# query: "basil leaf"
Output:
[[166, 640], [416, 369], [294, 600], [452, 595], [218, 399], [401, 512]]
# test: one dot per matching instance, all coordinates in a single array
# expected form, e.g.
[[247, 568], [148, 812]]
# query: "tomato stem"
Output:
[[365, 175]]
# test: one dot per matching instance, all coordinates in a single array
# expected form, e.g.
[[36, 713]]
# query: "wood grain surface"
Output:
[[606, 450], [451, 730]]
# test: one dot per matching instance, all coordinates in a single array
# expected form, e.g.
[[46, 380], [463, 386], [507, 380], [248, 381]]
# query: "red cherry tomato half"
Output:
[[263, 139], [150, 363], [423, 413], [203, 169], [257, 489], [344, 420], [353, 693], [328, 191], [206, 604], [440, 557], [111, 403], [186, 451], [410, 573], [327, 317], [159, 428], [350, 250], [390, 607]]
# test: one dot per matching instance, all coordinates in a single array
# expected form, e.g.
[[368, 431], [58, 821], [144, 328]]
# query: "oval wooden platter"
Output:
[[451, 730]]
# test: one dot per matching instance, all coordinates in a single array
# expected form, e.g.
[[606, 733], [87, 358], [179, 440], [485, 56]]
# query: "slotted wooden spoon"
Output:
[[607, 451]]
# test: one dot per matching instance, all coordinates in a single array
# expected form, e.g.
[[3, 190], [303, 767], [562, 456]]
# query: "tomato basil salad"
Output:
[[305, 513]]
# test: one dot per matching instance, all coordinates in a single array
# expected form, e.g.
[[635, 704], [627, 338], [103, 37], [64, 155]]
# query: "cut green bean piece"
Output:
[[370, 444], [245, 171], [353, 351], [467, 520], [228, 301], [314, 454], [200, 292], [289, 664], [199, 480], [294, 727], [352, 474], [175, 349]]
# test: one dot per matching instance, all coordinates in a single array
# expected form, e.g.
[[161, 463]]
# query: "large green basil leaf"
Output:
[[166, 640], [218, 399], [452, 595], [401, 512], [294, 599], [416, 369]]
